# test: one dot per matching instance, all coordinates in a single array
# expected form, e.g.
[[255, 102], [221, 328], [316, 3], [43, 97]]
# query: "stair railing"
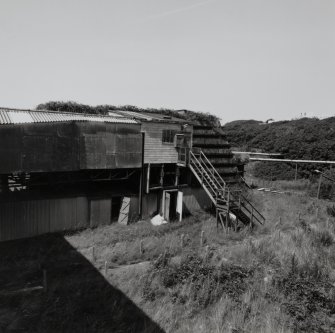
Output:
[[221, 194]]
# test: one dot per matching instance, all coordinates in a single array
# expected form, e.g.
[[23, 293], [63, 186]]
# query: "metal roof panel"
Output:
[[13, 116]]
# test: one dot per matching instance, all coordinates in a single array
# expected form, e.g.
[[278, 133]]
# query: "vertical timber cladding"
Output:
[[155, 151]]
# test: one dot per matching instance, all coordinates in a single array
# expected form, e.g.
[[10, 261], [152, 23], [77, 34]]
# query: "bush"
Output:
[[196, 281]]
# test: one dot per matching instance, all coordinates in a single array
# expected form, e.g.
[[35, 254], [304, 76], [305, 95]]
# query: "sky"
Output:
[[237, 59]]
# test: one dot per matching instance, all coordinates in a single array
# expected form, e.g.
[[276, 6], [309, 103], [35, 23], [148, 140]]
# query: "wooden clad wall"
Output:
[[155, 151]]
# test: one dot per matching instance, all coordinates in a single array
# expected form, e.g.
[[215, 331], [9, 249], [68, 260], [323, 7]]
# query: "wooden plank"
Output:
[[124, 211]]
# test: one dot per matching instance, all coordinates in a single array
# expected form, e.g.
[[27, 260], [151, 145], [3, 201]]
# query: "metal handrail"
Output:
[[201, 168], [221, 186]]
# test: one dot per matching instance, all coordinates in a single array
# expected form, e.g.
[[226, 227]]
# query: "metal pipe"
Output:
[[290, 161]]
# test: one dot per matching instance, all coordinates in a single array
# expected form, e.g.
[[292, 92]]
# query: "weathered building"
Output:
[[65, 171], [62, 171]]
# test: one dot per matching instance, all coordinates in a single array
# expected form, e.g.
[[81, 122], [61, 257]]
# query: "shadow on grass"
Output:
[[78, 298]]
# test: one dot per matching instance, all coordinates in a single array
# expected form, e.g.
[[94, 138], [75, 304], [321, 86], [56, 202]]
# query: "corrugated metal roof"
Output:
[[13, 116], [151, 116]]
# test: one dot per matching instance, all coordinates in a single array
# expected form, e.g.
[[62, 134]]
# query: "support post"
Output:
[[161, 181], [176, 183], [147, 189], [296, 171], [140, 206]]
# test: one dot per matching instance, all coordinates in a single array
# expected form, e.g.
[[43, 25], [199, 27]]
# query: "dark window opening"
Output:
[[168, 136]]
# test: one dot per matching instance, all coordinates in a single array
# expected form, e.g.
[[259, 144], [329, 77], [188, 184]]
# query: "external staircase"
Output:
[[213, 143], [226, 201]]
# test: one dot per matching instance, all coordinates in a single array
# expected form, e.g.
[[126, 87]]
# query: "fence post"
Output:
[[182, 240], [93, 254], [202, 238], [141, 246], [106, 268], [45, 282]]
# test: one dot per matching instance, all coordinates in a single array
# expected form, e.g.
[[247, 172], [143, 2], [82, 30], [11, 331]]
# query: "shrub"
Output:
[[331, 211], [196, 281]]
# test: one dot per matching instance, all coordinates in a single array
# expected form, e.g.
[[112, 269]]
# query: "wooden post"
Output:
[[161, 181], [141, 247], [141, 189], [317, 212], [207, 251], [319, 186], [93, 254], [176, 183], [182, 240], [299, 215], [147, 188], [228, 208], [45, 282], [106, 269], [252, 215], [227, 223], [296, 172], [202, 238]]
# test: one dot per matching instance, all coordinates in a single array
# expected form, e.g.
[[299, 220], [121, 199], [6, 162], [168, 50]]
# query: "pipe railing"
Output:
[[222, 195]]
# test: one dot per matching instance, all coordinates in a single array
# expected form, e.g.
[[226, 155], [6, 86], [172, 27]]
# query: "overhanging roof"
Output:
[[15, 116]]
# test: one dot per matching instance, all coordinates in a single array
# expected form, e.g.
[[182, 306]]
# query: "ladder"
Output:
[[225, 200]]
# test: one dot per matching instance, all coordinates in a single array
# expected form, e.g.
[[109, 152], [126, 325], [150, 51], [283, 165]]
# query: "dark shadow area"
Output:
[[78, 298]]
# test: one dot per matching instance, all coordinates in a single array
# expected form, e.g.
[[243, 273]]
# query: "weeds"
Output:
[[195, 281]]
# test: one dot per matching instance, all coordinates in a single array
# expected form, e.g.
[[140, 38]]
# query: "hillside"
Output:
[[277, 278], [306, 138]]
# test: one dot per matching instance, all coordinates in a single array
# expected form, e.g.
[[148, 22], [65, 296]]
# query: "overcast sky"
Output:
[[238, 59]]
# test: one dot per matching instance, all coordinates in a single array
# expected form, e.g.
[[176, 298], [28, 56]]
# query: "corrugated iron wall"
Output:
[[22, 219], [28, 218], [53, 147]]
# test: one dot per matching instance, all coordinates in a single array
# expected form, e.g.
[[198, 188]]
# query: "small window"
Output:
[[168, 136]]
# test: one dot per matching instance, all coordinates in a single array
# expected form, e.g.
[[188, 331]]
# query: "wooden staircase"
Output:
[[213, 143], [225, 200]]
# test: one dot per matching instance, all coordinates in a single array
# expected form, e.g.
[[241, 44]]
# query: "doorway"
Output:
[[170, 208]]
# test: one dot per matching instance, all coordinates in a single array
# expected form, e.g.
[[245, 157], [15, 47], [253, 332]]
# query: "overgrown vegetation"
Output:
[[276, 278], [306, 138], [70, 106]]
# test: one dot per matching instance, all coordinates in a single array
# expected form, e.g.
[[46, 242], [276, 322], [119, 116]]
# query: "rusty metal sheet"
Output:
[[69, 147]]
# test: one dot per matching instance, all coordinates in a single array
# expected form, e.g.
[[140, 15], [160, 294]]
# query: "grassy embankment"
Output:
[[276, 278]]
